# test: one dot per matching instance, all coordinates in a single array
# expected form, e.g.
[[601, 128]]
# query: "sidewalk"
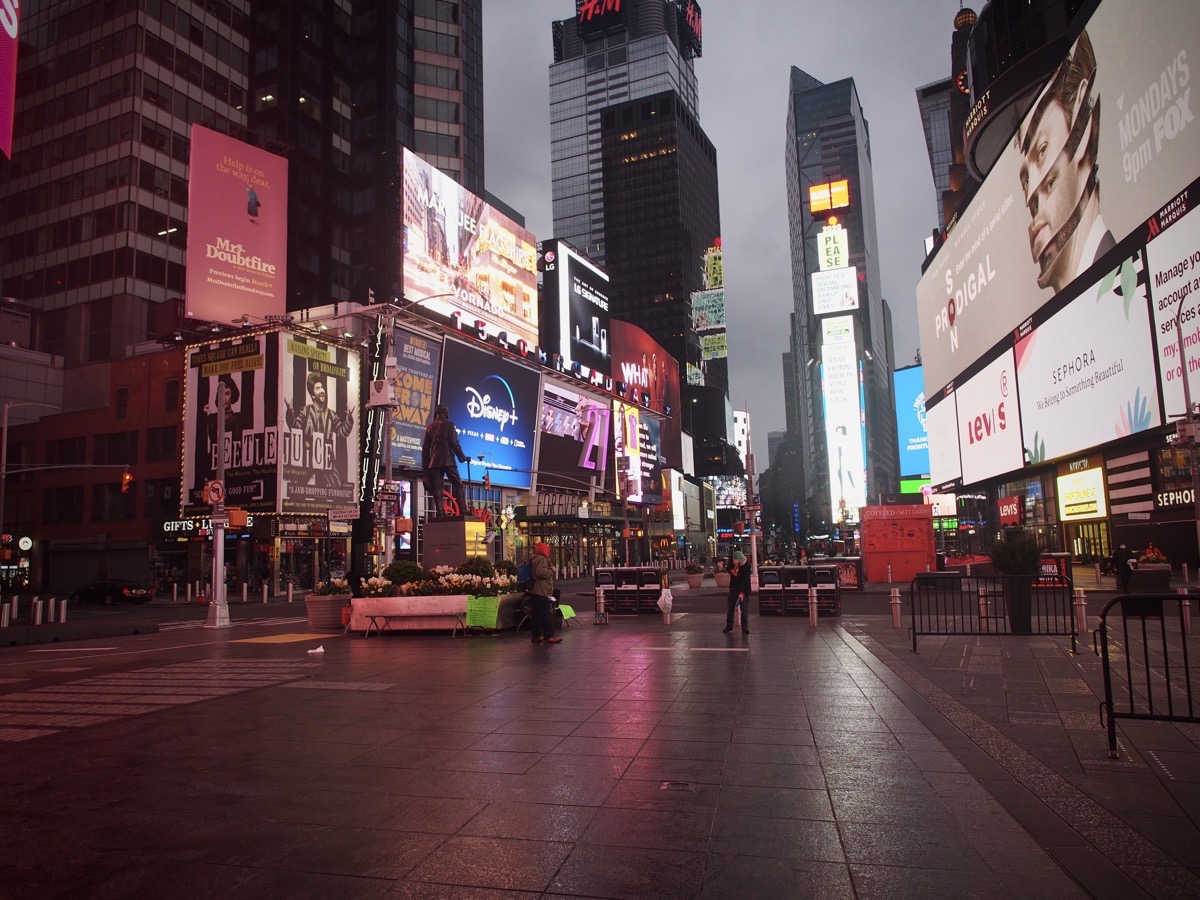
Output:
[[633, 760]]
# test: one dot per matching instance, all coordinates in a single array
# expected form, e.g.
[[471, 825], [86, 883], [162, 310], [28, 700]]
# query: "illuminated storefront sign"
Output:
[[1081, 495]]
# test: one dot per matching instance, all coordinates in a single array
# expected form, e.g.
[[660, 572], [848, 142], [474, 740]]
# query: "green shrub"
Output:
[[506, 567], [1016, 554], [477, 565], [404, 571]]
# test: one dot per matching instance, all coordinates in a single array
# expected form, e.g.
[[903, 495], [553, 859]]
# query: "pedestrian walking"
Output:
[[739, 592], [539, 596], [1121, 567]]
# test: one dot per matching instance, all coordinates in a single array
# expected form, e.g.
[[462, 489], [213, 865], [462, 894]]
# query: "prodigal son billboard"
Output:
[[242, 375], [319, 443]]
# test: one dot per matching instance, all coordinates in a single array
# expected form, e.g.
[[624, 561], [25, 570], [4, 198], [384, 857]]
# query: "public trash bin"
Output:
[[795, 589], [770, 590], [827, 581], [621, 589], [649, 582]]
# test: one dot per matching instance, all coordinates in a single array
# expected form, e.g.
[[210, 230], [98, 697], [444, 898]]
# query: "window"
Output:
[[116, 449], [162, 444], [438, 76], [122, 404], [109, 503], [62, 505], [66, 451], [171, 395]]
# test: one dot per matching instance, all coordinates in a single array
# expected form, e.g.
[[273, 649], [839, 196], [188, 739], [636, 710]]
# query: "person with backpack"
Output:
[[540, 590]]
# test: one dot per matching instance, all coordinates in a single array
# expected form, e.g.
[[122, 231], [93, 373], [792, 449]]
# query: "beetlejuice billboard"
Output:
[[494, 404]]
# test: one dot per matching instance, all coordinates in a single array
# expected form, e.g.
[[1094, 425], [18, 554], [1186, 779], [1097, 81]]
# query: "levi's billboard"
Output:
[[1011, 509], [1109, 140], [494, 404], [237, 229], [465, 260], [989, 427]]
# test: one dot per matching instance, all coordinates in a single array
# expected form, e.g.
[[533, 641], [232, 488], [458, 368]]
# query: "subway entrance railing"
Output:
[[1149, 668], [950, 603]]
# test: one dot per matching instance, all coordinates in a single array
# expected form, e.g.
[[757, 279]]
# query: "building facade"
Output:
[[840, 403]]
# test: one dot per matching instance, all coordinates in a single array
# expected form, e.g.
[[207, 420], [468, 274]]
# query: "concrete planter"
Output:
[[694, 581], [325, 611], [722, 579]]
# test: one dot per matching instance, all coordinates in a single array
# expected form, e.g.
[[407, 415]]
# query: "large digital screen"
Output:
[[844, 429], [1081, 496], [649, 376], [575, 313], [237, 229], [320, 425], [650, 449], [729, 491], [9, 14], [494, 404], [574, 439], [829, 195], [708, 310], [627, 450], [465, 260], [834, 290], [1106, 143], [414, 385], [1086, 375], [941, 418], [912, 434], [989, 426], [243, 375], [1174, 267]]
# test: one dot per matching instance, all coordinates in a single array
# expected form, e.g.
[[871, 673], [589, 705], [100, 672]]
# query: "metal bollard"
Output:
[[174, 593], [926, 567], [4, 615], [245, 588], [16, 607], [1187, 611], [189, 593], [264, 592], [601, 615], [889, 570], [62, 610], [1185, 573], [812, 607], [895, 608], [36, 613], [1098, 575], [1081, 611], [50, 611], [290, 586], [983, 609]]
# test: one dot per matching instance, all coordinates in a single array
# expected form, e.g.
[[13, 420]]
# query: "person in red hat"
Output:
[[539, 596]]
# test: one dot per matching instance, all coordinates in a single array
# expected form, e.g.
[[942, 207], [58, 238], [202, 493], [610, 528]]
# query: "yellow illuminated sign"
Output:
[[1081, 496], [829, 195]]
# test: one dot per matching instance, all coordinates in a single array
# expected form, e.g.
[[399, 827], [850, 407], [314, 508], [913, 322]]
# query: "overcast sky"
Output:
[[889, 49]]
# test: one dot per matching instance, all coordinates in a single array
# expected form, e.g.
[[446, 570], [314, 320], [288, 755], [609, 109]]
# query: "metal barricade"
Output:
[[952, 603], [1148, 670]]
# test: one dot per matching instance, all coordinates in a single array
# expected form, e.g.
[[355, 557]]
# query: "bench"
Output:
[[425, 613]]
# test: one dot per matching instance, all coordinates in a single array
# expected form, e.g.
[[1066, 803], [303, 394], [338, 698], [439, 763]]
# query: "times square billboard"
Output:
[[466, 261], [290, 442], [9, 15], [575, 314], [1074, 257]]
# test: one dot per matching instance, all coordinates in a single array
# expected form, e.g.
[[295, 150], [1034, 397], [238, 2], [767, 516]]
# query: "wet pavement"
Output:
[[636, 759]]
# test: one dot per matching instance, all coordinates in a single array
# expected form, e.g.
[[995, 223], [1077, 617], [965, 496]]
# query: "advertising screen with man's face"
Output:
[[1108, 141], [493, 403]]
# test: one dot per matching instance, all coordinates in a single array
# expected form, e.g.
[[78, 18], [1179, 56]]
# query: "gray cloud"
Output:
[[888, 49]]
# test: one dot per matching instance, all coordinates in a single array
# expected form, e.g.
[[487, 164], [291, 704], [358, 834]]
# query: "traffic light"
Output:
[[487, 481], [126, 480]]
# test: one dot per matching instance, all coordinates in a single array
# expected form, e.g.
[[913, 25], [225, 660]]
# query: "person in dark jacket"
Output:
[[539, 596], [439, 451], [1121, 567], [739, 592]]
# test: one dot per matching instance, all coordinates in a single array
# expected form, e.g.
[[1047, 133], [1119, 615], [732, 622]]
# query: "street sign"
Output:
[[214, 491], [753, 507], [386, 496], [343, 514]]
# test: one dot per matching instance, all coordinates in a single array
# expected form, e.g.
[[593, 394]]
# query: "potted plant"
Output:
[[721, 575], [694, 573], [1018, 557], [324, 604]]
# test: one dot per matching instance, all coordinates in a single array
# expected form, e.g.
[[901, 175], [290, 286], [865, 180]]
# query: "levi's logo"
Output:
[[986, 424], [1009, 509]]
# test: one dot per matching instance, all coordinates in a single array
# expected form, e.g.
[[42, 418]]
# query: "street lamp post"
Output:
[[9, 404]]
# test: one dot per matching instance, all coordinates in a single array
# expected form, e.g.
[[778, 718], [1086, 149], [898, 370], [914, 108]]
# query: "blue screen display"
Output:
[[494, 404], [911, 433]]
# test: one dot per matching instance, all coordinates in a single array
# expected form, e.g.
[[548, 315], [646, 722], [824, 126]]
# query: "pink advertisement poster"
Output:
[[8, 72], [237, 230]]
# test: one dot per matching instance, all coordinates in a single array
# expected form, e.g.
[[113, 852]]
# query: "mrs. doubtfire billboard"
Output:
[[1110, 139]]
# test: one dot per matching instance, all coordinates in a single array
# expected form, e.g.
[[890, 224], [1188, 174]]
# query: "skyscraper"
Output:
[[839, 354], [634, 177]]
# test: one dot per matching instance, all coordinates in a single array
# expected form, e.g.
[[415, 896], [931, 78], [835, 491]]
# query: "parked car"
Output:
[[115, 590]]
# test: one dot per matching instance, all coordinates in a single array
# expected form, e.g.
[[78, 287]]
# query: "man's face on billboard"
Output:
[[318, 394], [1053, 183]]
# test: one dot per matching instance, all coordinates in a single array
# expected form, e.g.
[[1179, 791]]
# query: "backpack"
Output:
[[525, 574]]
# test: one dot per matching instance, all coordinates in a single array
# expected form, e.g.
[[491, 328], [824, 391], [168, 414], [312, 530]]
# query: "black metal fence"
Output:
[[1145, 646], [950, 603]]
